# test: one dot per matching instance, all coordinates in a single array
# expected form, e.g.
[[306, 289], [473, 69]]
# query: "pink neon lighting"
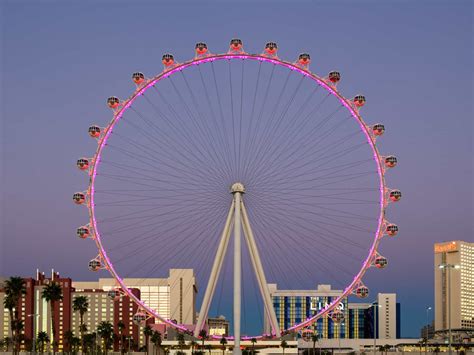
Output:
[[141, 90]]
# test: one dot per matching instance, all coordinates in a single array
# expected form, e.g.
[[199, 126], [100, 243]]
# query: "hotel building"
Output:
[[173, 297], [295, 306], [456, 273], [35, 312]]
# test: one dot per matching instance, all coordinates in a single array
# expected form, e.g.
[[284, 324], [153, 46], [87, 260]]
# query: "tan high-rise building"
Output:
[[173, 297], [456, 259]]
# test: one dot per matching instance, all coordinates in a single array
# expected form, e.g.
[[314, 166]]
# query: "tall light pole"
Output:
[[34, 315], [449, 267], [427, 329]]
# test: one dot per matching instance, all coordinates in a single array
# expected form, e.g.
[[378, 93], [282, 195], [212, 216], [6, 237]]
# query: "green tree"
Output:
[[253, 341], [106, 330], [223, 342], [156, 340], [42, 339], [53, 293], [203, 336], [284, 345], [15, 288], [81, 305], [315, 339]]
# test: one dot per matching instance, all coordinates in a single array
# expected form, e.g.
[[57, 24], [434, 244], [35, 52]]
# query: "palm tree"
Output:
[[181, 341], [68, 335], [315, 339], [14, 288], [209, 348], [156, 340], [53, 293], [42, 339], [223, 342], [88, 344], [203, 336], [147, 332], [253, 341], [75, 343], [121, 328], [284, 345], [105, 330], [193, 345], [6, 343], [81, 305]]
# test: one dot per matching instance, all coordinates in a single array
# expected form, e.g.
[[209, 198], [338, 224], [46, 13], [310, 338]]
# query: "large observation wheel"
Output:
[[308, 185]]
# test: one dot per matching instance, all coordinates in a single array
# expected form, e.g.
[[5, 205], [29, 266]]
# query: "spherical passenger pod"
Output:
[[390, 161], [139, 318], [378, 129], [82, 164], [380, 262], [113, 102], [138, 78], [391, 230], [395, 195], [113, 294], [304, 59], [79, 198], [83, 232], [94, 131], [167, 60], [236, 44], [271, 48], [306, 334], [95, 265], [201, 48], [337, 316], [359, 100], [334, 77], [362, 292]]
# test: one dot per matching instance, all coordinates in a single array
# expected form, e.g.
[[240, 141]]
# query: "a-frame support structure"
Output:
[[237, 219]]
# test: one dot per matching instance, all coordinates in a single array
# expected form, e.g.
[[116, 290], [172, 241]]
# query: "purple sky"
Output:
[[410, 59]]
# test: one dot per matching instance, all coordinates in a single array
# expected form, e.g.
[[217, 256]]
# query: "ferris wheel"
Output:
[[247, 168]]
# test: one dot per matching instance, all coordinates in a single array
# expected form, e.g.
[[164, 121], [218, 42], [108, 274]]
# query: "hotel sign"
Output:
[[445, 247], [318, 305]]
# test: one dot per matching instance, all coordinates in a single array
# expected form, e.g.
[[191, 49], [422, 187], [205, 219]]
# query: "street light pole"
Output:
[[427, 329], [449, 267]]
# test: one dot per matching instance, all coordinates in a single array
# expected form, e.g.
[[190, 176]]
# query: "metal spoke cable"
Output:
[[217, 138]]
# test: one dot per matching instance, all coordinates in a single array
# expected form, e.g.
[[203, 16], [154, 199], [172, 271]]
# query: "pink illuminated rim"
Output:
[[332, 90]]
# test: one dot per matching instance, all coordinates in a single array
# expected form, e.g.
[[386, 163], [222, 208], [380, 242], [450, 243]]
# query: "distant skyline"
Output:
[[59, 62]]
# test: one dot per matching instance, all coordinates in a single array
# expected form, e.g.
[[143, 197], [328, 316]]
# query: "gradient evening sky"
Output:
[[412, 60]]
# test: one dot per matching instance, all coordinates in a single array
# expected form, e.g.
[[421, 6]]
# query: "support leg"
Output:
[[261, 280], [216, 268], [237, 272]]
